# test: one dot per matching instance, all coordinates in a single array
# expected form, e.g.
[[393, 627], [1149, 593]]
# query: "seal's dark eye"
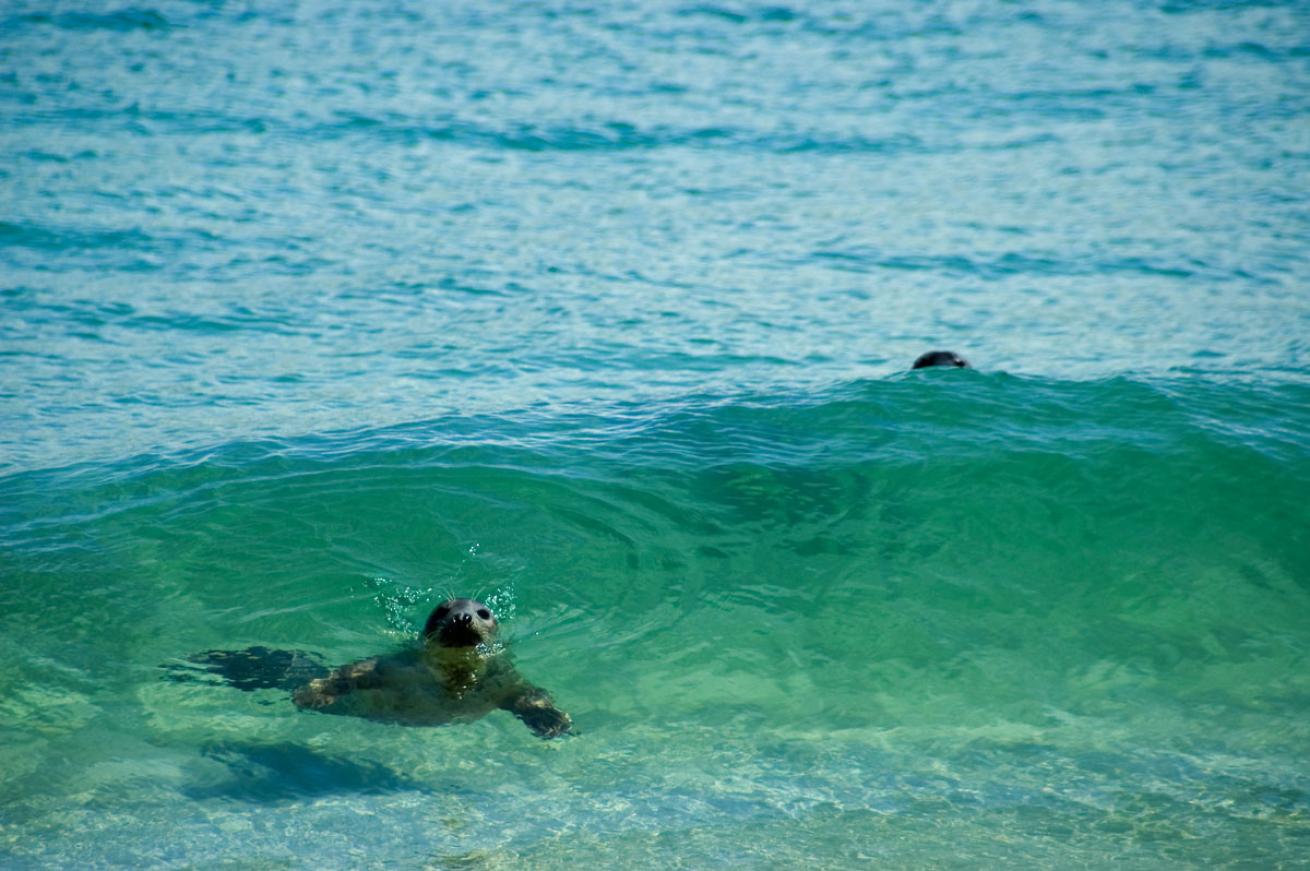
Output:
[[441, 612], [484, 613]]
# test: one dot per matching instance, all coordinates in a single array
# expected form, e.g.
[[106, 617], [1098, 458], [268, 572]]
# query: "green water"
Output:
[[314, 313], [945, 618]]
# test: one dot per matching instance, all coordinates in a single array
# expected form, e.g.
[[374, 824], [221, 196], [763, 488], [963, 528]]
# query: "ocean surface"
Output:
[[314, 313]]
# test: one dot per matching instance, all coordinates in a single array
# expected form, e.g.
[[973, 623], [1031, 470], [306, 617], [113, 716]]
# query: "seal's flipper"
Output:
[[255, 668], [534, 707]]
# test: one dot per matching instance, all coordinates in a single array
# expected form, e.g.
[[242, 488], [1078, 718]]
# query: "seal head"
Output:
[[940, 358], [457, 623]]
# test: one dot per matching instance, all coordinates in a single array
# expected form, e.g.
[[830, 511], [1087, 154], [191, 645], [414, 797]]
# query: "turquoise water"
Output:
[[314, 314]]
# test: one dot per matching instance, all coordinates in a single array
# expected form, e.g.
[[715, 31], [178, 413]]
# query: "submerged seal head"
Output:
[[940, 358], [460, 623]]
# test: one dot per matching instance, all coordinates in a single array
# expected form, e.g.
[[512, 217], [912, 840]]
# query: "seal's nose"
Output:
[[462, 619]]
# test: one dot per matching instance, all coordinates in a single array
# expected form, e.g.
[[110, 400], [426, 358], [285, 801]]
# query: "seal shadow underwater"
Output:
[[458, 674]]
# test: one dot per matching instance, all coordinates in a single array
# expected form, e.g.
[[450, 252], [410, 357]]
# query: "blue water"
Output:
[[313, 314]]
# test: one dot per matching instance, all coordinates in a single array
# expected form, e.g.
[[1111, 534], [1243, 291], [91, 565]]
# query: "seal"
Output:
[[459, 673], [940, 358]]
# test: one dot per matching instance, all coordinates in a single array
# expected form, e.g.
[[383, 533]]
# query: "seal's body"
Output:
[[458, 674]]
